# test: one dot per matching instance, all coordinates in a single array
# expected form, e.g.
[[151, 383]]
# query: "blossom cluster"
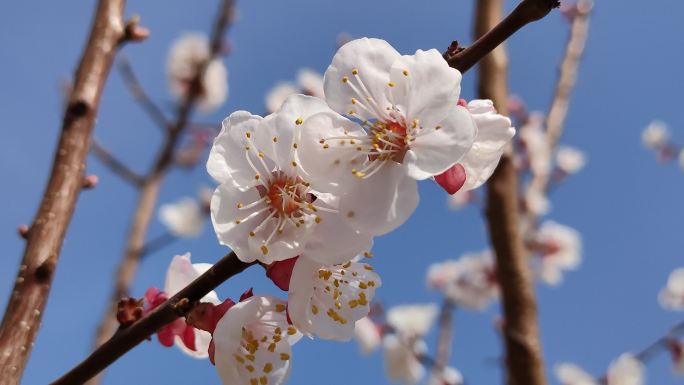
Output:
[[304, 190], [656, 137]]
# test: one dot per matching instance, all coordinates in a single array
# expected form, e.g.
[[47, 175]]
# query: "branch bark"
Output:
[[176, 306], [524, 364], [24, 311], [149, 191]]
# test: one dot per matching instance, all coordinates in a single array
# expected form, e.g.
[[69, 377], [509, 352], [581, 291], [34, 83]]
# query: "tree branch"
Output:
[[149, 191], [567, 77], [524, 364], [526, 12], [136, 89], [32, 287], [445, 336], [114, 164], [176, 306]]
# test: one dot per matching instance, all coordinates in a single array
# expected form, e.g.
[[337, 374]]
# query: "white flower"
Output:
[[277, 95], [265, 208], [411, 129], [185, 59], [311, 82], [570, 160], [560, 249], [626, 370], [411, 321], [537, 202], [367, 335], [656, 134], [401, 359], [533, 136], [671, 297], [326, 301], [469, 281], [570, 374], [253, 343], [182, 272], [494, 131], [183, 218], [447, 376], [460, 199]]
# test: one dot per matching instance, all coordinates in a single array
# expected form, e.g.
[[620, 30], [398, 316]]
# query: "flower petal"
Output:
[[381, 203], [360, 70], [425, 87], [227, 160], [441, 146]]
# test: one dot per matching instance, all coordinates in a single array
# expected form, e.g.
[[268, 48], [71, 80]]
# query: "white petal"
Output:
[[382, 202], [494, 131], [367, 335], [182, 272], [311, 82], [626, 370], [372, 59], [227, 161], [183, 218], [401, 363], [426, 88], [224, 214], [214, 86], [327, 163], [255, 317], [570, 374], [277, 95], [435, 150], [412, 320]]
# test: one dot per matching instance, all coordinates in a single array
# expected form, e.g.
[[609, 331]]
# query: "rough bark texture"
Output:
[[524, 364], [31, 290]]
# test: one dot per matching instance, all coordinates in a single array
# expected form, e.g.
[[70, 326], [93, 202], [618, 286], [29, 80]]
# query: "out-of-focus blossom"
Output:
[[401, 359], [676, 349], [447, 376], [681, 159], [367, 334], [311, 82], [253, 343], [277, 95], [626, 370], [655, 135], [184, 218], [469, 281], [571, 374], [671, 297], [570, 160], [460, 199], [411, 321], [559, 248], [533, 137], [186, 57], [537, 202]]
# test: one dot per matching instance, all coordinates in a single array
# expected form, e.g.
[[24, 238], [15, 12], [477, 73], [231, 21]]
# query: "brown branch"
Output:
[[149, 191], [526, 12], [176, 306], [445, 335], [32, 287], [114, 164], [136, 89], [524, 364], [567, 77]]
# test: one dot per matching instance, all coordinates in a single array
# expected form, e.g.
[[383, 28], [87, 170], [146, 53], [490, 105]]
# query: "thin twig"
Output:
[[149, 191], [157, 243], [114, 164], [126, 339], [558, 111], [445, 335], [139, 94], [24, 311], [524, 363]]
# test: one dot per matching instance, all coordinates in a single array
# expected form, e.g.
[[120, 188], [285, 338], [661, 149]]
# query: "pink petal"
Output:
[[452, 179], [280, 272]]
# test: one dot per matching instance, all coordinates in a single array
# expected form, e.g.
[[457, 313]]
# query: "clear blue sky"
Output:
[[627, 206]]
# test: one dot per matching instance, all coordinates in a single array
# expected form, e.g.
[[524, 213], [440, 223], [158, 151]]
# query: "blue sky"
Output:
[[626, 205]]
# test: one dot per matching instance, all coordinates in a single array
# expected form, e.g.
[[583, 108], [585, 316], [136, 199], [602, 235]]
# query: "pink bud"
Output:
[[280, 272], [247, 295], [90, 181], [452, 179], [23, 231]]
